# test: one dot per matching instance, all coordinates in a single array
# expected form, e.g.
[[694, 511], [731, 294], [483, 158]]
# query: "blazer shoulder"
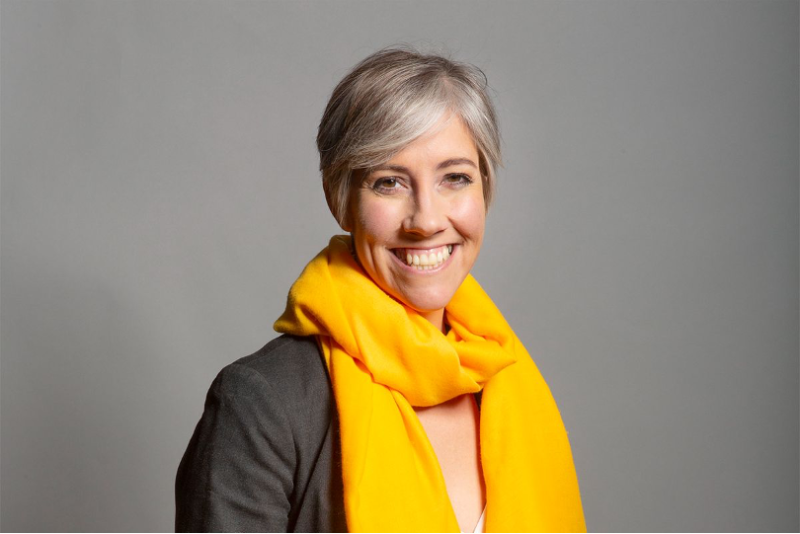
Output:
[[293, 371], [287, 358], [265, 427]]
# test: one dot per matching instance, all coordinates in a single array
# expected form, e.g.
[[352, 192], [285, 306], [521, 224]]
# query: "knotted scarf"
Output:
[[384, 358]]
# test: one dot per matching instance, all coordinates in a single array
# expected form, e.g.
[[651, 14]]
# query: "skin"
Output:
[[428, 195]]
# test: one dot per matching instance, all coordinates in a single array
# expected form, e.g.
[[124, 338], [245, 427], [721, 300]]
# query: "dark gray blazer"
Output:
[[265, 454]]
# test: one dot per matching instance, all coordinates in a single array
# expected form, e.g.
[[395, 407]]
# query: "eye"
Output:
[[386, 185], [457, 179]]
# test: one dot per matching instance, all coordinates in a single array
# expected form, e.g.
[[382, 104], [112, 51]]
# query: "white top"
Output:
[[481, 521]]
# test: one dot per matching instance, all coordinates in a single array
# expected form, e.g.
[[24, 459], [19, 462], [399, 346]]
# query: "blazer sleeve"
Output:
[[237, 472]]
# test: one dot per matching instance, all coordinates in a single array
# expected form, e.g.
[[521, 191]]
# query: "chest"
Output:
[[453, 429]]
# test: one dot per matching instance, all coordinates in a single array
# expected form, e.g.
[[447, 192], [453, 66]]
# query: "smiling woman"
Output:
[[417, 221], [398, 398]]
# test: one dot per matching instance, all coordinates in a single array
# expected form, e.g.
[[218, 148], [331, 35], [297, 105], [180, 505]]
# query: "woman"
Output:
[[398, 399]]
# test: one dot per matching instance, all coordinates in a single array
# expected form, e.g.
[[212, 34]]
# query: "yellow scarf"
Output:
[[384, 358]]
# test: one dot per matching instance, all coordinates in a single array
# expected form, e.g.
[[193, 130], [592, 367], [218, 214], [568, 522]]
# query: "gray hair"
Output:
[[390, 99]]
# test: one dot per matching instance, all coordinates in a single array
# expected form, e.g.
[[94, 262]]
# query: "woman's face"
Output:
[[418, 220]]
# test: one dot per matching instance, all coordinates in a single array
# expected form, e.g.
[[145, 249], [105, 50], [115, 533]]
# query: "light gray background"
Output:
[[160, 193]]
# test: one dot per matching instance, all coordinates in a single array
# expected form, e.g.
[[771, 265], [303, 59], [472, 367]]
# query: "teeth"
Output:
[[427, 260]]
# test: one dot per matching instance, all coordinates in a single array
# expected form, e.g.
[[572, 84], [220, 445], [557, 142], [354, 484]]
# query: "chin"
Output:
[[428, 302]]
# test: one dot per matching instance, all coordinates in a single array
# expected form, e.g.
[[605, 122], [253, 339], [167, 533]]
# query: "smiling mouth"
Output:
[[426, 259]]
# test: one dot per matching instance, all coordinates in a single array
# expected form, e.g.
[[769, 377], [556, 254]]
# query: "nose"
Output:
[[427, 214]]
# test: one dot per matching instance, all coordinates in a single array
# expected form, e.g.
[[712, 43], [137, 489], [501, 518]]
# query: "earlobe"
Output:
[[346, 224], [353, 251]]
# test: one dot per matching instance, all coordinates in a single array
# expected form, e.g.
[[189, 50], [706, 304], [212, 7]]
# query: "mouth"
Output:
[[423, 259]]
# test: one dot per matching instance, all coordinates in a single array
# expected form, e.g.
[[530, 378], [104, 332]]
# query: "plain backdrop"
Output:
[[160, 193]]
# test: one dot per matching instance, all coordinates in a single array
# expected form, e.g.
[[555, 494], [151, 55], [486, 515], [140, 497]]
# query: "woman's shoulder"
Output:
[[289, 370], [267, 427], [284, 360]]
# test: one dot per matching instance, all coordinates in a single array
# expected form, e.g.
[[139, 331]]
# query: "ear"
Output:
[[346, 219], [345, 224]]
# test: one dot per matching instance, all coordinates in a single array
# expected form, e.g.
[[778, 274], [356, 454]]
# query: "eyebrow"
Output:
[[456, 161], [443, 165]]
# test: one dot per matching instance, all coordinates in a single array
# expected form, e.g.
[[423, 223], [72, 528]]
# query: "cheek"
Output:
[[376, 220], [469, 215]]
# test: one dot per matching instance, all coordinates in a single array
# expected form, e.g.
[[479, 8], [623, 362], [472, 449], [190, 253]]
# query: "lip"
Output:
[[413, 269]]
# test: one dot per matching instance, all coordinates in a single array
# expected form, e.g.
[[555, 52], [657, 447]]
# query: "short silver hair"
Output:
[[390, 99]]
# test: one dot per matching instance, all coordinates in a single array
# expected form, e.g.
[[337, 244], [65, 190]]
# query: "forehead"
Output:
[[448, 139]]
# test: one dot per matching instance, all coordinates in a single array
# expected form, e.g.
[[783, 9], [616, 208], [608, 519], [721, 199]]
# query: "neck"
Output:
[[436, 318]]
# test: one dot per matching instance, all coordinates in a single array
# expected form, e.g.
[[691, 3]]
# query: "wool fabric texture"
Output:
[[385, 358]]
